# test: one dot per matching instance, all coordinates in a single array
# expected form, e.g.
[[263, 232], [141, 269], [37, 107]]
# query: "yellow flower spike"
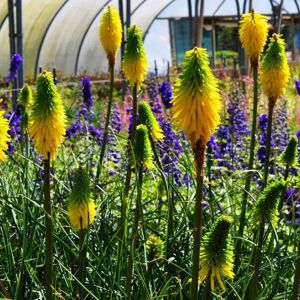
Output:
[[82, 215], [135, 61], [197, 101], [110, 33], [274, 70], [253, 34], [47, 120], [4, 137], [81, 207]]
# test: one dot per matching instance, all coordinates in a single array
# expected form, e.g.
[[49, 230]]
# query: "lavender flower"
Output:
[[292, 206], [116, 120], [87, 92], [15, 63], [155, 102], [166, 94], [14, 118], [297, 85], [170, 149]]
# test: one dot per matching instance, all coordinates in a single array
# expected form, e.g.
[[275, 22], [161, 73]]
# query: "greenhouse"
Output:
[[149, 149]]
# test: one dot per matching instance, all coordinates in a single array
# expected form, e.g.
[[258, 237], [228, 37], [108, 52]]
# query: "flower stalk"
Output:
[[296, 285], [268, 141], [143, 156], [250, 163], [199, 153], [48, 230]]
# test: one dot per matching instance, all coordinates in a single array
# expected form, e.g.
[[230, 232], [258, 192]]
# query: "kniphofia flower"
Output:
[[142, 147], [216, 258], [135, 60], [48, 120], [197, 101], [290, 154], [25, 101], [81, 207], [4, 137], [25, 97], [111, 33], [274, 70], [147, 118], [266, 208], [253, 34]]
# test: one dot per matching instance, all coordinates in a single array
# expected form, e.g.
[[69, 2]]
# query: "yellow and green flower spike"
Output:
[[4, 137], [197, 100], [142, 147], [48, 119], [266, 208], [217, 258], [290, 154], [81, 206], [111, 33], [135, 61], [147, 118], [274, 70], [253, 34]]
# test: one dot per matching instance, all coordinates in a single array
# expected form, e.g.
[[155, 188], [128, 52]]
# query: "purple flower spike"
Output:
[[297, 85], [166, 94], [15, 63], [87, 92]]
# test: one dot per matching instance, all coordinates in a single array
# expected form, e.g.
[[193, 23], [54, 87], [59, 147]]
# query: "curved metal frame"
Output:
[[85, 34], [154, 19], [4, 19], [44, 37]]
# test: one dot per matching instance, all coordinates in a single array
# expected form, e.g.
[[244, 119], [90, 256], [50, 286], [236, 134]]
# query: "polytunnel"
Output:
[[64, 33]]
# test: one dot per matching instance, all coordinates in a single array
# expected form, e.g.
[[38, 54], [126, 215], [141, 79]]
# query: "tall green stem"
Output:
[[295, 292], [199, 152], [124, 209], [81, 264], [250, 163], [108, 113], [170, 226], [134, 235], [253, 285], [132, 136], [25, 143], [48, 230], [268, 142]]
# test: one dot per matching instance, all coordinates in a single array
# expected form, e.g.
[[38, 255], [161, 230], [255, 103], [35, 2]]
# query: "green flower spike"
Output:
[[266, 208], [216, 257], [154, 246], [25, 101], [81, 206], [147, 118], [289, 156], [25, 97], [142, 147]]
